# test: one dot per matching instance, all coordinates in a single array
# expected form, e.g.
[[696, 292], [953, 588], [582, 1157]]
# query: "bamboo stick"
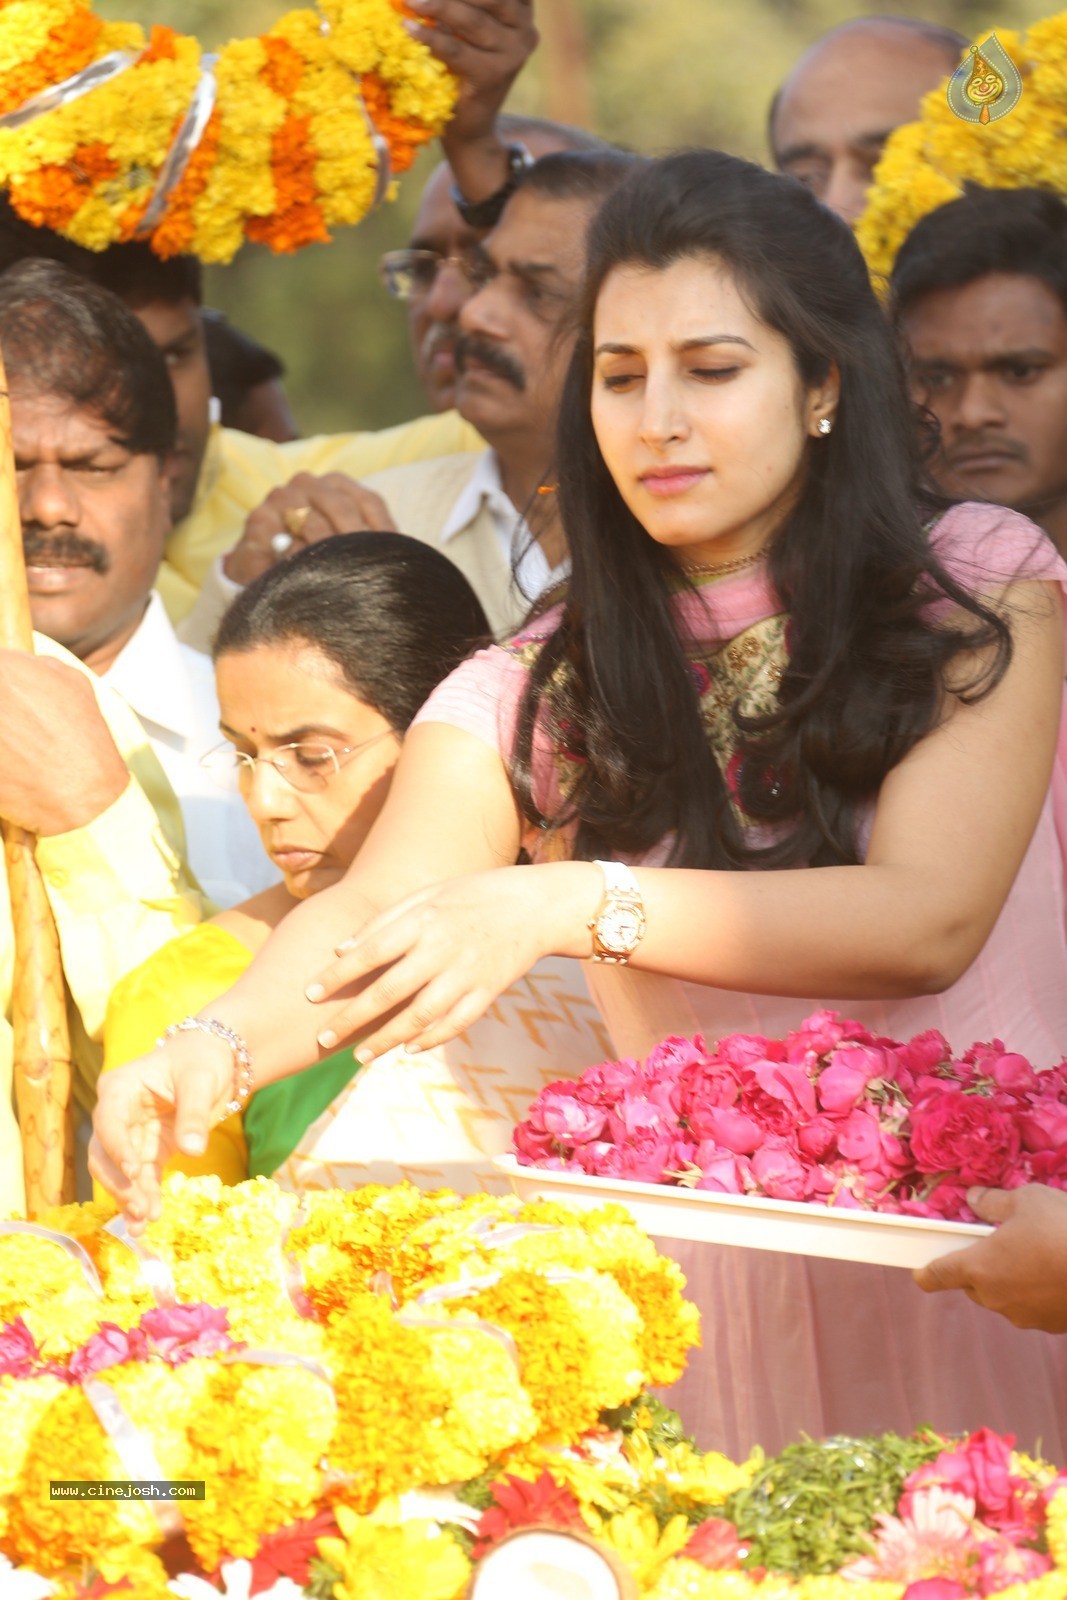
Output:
[[42, 1064]]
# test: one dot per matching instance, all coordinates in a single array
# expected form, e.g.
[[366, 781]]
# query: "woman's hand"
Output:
[[442, 957], [1020, 1271], [151, 1109]]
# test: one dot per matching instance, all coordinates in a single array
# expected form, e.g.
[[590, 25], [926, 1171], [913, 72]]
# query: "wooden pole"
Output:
[[42, 1064]]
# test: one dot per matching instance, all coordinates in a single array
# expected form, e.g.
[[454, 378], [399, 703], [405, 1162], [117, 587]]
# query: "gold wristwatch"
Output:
[[619, 925]]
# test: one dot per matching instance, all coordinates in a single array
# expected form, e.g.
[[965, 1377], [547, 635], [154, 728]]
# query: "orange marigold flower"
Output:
[[403, 138], [296, 219], [70, 47], [52, 196], [174, 235], [161, 46], [284, 68]]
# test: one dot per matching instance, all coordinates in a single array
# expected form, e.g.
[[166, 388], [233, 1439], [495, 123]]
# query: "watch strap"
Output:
[[483, 214]]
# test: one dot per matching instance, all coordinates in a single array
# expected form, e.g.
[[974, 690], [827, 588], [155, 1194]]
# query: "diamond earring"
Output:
[[825, 425]]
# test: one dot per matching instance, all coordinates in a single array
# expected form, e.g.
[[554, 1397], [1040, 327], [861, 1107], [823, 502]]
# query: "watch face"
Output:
[[619, 929]]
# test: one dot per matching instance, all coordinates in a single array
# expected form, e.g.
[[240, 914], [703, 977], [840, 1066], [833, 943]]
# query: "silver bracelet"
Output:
[[243, 1077]]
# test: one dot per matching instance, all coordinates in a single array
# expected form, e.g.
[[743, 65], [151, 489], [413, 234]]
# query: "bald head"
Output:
[[845, 96]]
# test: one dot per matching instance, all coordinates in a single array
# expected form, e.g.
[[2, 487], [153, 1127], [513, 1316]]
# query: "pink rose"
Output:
[[646, 1158], [109, 1346], [637, 1119], [935, 1589], [19, 1355], [1003, 1564], [1044, 1126], [742, 1049], [1013, 1074], [568, 1120], [859, 1139], [598, 1158], [778, 1171], [967, 1135], [842, 1084], [722, 1172], [178, 1333], [818, 1139], [610, 1082], [705, 1083], [531, 1145], [779, 1095], [980, 1469], [964, 1134], [924, 1053], [669, 1058], [729, 1128]]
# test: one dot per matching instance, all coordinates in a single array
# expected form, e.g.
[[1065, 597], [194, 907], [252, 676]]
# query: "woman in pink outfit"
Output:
[[815, 712]]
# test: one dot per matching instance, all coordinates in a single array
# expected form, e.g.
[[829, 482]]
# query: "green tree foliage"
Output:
[[659, 74]]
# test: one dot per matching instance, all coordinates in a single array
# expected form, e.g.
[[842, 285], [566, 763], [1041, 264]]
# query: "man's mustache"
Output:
[[963, 449], [439, 336], [470, 348], [63, 550]]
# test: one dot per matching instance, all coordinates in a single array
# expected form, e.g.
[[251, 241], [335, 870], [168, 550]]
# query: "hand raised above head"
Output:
[[303, 511], [61, 768], [486, 43], [1020, 1271]]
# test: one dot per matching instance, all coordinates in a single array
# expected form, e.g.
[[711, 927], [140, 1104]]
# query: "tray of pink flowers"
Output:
[[829, 1142]]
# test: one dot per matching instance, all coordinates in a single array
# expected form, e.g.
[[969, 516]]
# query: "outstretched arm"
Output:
[[952, 825], [450, 812]]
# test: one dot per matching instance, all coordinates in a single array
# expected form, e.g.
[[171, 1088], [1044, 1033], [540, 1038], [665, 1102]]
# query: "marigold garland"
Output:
[[287, 153], [926, 163]]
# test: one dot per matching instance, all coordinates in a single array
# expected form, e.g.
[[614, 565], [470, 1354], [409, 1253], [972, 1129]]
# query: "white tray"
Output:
[[749, 1220]]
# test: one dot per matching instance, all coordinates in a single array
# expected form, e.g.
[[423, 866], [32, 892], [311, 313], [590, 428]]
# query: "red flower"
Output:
[[519, 1504], [715, 1544], [289, 1552]]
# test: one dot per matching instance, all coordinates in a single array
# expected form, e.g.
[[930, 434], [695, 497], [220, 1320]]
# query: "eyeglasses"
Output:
[[306, 766], [407, 274]]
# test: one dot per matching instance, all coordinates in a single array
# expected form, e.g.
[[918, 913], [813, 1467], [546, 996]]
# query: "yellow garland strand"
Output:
[[286, 156]]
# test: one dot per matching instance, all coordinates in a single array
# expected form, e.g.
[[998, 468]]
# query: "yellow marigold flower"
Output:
[[1056, 1528], [380, 1560], [635, 1537], [926, 163], [578, 1343], [88, 168], [1051, 1586]]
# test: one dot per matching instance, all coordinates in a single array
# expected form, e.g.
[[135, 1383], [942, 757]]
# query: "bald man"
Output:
[[833, 114]]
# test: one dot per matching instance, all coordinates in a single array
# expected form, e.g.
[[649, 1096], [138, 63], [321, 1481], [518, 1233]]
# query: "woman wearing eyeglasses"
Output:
[[321, 664]]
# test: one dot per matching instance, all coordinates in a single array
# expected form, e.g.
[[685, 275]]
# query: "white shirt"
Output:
[[172, 689], [523, 554]]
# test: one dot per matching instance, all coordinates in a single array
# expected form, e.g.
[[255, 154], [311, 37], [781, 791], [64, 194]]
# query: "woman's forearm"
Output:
[[858, 932], [266, 1005]]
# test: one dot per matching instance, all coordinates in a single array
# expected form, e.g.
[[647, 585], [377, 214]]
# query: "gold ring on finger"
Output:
[[296, 520]]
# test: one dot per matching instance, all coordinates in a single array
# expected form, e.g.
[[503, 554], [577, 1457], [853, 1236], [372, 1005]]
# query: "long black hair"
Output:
[[851, 563], [393, 615]]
